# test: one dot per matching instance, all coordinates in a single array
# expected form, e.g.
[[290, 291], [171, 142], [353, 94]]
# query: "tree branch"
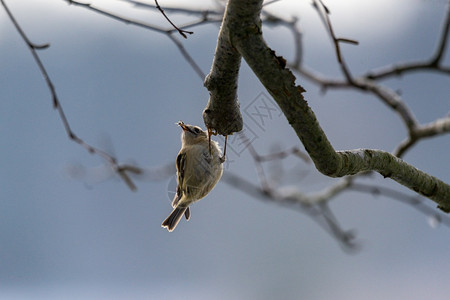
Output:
[[222, 113], [368, 83], [145, 25], [438, 127], [324, 15], [432, 64], [180, 31], [244, 28], [121, 170], [320, 212]]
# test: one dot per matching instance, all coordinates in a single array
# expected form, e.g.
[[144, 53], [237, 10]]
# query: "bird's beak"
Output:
[[183, 126]]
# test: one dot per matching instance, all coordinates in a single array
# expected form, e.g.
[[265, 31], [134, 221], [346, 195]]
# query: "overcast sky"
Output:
[[70, 230]]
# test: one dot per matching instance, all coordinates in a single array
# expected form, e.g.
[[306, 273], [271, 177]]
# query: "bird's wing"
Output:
[[181, 165]]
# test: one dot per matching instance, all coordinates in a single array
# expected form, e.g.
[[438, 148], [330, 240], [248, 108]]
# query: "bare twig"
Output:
[[435, 128], [317, 213], [271, 19], [432, 64], [185, 11], [367, 83], [158, 29], [116, 16], [187, 57], [120, 169], [316, 205], [283, 154], [415, 202], [347, 238], [389, 97], [259, 159], [416, 131], [324, 14], [180, 31], [205, 16], [386, 95], [280, 83]]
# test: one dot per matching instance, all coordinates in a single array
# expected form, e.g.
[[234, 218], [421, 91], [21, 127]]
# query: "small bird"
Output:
[[199, 167]]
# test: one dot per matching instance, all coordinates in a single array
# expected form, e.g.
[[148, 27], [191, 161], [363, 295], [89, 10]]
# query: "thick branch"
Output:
[[222, 112], [356, 161], [246, 36]]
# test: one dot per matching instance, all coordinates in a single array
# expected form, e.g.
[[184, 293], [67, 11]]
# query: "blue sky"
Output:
[[123, 88]]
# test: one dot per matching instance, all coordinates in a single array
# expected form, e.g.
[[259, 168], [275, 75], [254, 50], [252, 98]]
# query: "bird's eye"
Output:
[[196, 130]]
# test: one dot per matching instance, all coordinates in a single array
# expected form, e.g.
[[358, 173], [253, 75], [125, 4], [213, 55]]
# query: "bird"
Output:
[[199, 167]]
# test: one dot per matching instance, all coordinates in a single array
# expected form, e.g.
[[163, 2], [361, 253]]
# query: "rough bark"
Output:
[[242, 29], [222, 113]]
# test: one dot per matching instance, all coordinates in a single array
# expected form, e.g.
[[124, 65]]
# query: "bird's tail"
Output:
[[174, 218]]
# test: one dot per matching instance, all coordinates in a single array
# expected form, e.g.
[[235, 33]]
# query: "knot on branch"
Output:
[[222, 113], [223, 117]]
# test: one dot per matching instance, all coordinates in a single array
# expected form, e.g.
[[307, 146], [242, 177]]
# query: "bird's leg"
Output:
[[209, 139], [222, 159]]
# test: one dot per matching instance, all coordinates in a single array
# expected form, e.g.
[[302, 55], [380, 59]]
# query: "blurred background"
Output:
[[69, 229]]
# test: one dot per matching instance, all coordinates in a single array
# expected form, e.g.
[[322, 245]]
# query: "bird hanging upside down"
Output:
[[199, 167]]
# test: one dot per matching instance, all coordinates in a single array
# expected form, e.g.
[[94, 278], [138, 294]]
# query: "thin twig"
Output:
[[180, 31], [317, 214], [432, 64], [116, 16], [389, 97], [206, 16], [188, 57], [283, 154], [186, 11], [270, 19], [259, 168], [415, 201], [367, 82], [442, 45], [386, 95], [120, 169], [346, 237], [258, 159], [435, 128], [324, 14], [126, 20], [311, 204]]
